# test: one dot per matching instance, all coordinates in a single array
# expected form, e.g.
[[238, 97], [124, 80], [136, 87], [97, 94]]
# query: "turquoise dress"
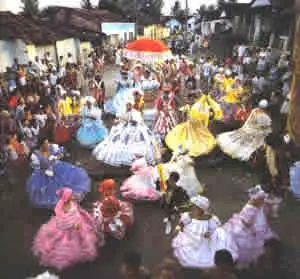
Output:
[[92, 130]]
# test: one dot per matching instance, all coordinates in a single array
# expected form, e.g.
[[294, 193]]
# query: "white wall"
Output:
[[10, 50]]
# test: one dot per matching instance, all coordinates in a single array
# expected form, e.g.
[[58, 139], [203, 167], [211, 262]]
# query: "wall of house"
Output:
[[85, 49], [125, 31], [156, 32], [10, 50], [41, 50], [66, 46]]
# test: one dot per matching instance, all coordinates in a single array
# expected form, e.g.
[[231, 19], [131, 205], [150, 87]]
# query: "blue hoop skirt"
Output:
[[42, 188]]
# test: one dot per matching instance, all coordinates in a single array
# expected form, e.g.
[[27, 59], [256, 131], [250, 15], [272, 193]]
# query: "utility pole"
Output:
[[186, 18], [136, 18]]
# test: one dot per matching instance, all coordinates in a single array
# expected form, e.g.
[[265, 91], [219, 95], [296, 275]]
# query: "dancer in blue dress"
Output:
[[92, 130], [51, 174], [117, 104]]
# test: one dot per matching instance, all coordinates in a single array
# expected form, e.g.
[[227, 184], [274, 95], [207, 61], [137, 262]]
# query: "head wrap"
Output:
[[256, 193], [65, 194], [202, 202], [110, 207], [287, 138], [107, 187], [89, 99], [228, 72], [263, 104]]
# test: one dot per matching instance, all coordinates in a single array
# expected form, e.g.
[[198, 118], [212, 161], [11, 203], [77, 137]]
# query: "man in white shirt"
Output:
[[241, 52]]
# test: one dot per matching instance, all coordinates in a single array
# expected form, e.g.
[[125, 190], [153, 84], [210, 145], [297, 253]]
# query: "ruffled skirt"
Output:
[[42, 188], [124, 142], [192, 136], [90, 133], [63, 248]]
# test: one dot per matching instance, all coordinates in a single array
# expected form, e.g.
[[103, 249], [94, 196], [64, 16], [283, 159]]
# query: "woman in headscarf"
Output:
[[112, 215], [250, 227], [129, 137], [69, 237], [200, 235], [51, 174], [242, 143], [92, 130], [193, 134]]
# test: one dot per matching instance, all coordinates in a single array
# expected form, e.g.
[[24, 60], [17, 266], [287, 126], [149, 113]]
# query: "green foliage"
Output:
[[86, 4], [130, 7], [30, 7]]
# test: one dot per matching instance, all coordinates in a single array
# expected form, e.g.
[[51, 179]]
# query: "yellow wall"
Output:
[[156, 32]]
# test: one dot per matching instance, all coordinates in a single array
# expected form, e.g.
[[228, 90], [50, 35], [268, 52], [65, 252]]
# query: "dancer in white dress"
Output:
[[200, 235], [129, 137], [242, 143]]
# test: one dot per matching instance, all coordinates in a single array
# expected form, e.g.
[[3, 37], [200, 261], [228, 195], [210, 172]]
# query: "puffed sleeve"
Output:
[[185, 218], [35, 161], [35, 130], [248, 214], [56, 150], [213, 224]]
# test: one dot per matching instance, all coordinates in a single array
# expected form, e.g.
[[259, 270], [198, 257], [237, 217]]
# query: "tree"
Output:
[[202, 9], [86, 4], [130, 8], [211, 8], [177, 11], [176, 8], [30, 7]]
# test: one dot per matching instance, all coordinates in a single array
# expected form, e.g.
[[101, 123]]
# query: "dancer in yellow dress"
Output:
[[193, 134]]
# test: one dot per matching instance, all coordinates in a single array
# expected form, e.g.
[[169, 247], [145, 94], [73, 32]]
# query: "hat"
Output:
[[202, 202], [256, 193], [107, 187], [221, 70], [263, 104], [45, 275], [4, 113]]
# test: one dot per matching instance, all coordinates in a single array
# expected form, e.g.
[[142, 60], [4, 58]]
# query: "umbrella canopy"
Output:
[[147, 50]]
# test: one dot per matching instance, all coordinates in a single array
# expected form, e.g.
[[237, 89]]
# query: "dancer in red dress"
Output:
[[112, 215], [166, 116]]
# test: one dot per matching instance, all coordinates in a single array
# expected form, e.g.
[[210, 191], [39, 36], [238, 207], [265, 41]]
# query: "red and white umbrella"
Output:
[[147, 50]]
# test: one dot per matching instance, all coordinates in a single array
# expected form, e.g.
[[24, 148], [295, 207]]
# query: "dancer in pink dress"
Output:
[[112, 215], [250, 227], [142, 184], [69, 237], [166, 116]]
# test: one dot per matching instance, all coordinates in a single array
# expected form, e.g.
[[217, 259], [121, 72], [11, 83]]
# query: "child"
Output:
[[174, 200]]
